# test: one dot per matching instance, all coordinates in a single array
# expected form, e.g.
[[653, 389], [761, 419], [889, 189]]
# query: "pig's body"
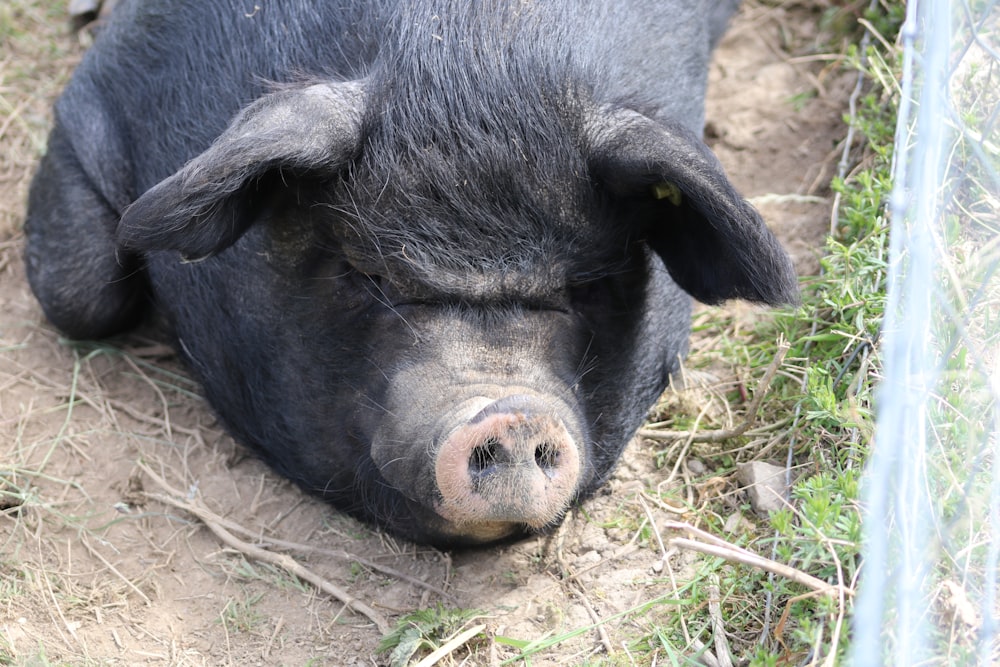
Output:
[[423, 272]]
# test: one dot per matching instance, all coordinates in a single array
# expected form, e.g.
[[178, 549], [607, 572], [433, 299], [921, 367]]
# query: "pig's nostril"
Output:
[[508, 466], [484, 456], [546, 456]]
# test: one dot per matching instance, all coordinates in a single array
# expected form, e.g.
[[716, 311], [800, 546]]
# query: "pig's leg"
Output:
[[86, 288]]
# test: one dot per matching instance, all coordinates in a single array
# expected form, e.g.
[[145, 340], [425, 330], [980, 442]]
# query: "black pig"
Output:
[[431, 259]]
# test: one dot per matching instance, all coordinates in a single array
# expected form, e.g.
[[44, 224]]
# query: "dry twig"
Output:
[[714, 546], [719, 640], [721, 435], [96, 554], [285, 562], [273, 542], [602, 632], [704, 653], [450, 646]]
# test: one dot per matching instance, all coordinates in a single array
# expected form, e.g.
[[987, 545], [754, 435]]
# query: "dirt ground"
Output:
[[95, 569]]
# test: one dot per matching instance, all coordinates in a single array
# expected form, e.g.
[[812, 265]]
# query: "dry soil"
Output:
[[94, 569]]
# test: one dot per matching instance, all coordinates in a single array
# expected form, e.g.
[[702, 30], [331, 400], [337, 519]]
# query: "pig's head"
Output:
[[483, 311]]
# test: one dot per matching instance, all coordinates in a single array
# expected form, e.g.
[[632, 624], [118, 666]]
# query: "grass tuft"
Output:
[[827, 384], [424, 630]]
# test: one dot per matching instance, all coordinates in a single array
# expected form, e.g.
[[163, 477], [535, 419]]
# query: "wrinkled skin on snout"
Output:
[[436, 281], [506, 442]]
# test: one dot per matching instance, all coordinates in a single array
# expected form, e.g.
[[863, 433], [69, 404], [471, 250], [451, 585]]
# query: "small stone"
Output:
[[765, 485], [696, 467], [732, 524]]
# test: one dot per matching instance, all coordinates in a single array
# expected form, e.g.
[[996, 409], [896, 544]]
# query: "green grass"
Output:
[[423, 631], [827, 385], [241, 615], [830, 383]]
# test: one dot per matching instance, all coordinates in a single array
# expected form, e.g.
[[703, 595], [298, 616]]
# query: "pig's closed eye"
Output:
[[588, 293], [385, 291]]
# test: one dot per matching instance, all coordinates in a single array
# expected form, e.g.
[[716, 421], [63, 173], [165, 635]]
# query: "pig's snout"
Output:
[[514, 461]]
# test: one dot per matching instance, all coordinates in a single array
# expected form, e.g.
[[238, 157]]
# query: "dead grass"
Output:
[[95, 568], [35, 63]]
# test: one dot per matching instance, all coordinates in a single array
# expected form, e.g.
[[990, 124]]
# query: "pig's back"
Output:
[[164, 79]]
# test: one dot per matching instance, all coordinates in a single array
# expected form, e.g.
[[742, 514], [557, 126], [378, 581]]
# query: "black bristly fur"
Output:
[[357, 215]]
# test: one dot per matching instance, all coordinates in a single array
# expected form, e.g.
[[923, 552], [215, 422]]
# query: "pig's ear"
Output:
[[210, 202], [664, 178]]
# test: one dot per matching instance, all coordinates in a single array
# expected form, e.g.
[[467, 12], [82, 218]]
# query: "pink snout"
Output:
[[513, 462]]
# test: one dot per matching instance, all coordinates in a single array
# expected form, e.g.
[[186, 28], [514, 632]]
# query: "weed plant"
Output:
[[828, 384]]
